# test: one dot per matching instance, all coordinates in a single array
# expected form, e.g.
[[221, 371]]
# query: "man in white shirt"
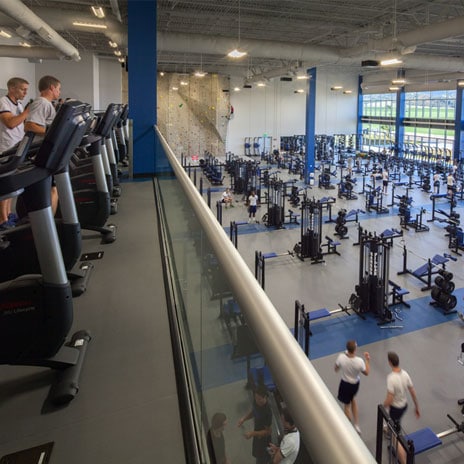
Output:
[[287, 452], [12, 116], [351, 366], [41, 114]]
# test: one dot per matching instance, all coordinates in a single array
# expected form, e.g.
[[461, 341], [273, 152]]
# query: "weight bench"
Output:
[[422, 271], [390, 234], [331, 246], [423, 439], [398, 294], [292, 217]]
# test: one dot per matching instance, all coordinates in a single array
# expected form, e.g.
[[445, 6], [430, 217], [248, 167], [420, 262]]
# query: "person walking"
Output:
[[12, 116], [215, 439], [398, 384], [351, 366]]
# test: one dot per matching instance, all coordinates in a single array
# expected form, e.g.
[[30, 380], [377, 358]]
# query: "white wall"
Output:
[[18, 67], [276, 110], [110, 82], [78, 79]]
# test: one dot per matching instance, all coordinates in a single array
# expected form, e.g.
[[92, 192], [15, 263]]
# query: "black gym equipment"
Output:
[[37, 310], [405, 216], [442, 292], [372, 289], [303, 319], [425, 272], [309, 245], [437, 196], [260, 264], [343, 217], [414, 443]]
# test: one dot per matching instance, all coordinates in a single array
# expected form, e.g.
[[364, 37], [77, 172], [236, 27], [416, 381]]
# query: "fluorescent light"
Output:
[[113, 44], [461, 83], [175, 88], [5, 34], [117, 52], [25, 44], [200, 73], [299, 91], [261, 84], [347, 92], [121, 60], [96, 26], [393, 88], [236, 89], [98, 11], [336, 87], [399, 81], [236, 53], [302, 76], [184, 83], [390, 62]]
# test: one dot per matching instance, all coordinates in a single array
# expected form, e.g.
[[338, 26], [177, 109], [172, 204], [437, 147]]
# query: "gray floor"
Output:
[[429, 355], [126, 410]]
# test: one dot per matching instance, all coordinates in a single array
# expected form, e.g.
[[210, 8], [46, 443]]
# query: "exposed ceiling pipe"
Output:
[[310, 55], [33, 53], [425, 34], [19, 12]]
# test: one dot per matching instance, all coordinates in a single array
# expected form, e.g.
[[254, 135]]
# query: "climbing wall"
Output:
[[193, 112]]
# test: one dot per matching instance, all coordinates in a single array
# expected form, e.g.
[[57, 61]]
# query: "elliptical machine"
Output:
[[36, 311]]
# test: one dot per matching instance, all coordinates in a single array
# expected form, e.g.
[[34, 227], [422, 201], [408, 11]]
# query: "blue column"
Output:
[[458, 125], [399, 120], [310, 125], [359, 117], [148, 157]]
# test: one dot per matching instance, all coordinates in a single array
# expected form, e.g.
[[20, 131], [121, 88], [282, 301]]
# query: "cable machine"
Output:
[[309, 245], [374, 263]]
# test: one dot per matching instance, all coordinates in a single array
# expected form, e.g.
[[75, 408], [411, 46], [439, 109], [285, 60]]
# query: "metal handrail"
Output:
[[327, 433]]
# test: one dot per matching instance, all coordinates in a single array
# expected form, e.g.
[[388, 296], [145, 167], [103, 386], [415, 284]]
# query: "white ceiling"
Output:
[[279, 35]]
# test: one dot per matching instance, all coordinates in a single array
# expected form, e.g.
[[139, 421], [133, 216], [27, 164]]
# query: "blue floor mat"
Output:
[[215, 366]]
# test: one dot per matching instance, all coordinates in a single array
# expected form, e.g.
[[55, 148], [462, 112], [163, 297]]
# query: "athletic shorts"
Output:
[[397, 413], [252, 209], [347, 391]]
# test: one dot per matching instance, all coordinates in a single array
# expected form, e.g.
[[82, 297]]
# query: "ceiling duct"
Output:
[[28, 20]]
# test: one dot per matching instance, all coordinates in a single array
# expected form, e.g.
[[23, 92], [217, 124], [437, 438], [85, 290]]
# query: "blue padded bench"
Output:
[[423, 270], [398, 294], [318, 314], [424, 439]]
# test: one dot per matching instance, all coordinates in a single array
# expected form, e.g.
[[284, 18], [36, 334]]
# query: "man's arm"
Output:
[[30, 126], [11, 121], [412, 392], [388, 400], [367, 359]]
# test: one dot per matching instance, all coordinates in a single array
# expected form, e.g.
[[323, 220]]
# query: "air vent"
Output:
[[247, 86], [369, 63], [286, 79]]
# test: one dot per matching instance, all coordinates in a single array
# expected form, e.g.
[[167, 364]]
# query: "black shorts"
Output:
[[252, 209], [385, 183], [397, 413], [347, 391]]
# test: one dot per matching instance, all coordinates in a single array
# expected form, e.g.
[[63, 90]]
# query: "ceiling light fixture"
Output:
[[347, 92], [400, 81], [200, 72], [261, 84], [299, 91], [5, 34], [112, 44], [25, 44], [390, 62], [236, 89], [117, 52], [93, 25], [460, 83], [183, 83], [175, 88], [161, 73], [394, 88], [236, 52], [98, 11], [336, 87], [121, 60], [302, 76]]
